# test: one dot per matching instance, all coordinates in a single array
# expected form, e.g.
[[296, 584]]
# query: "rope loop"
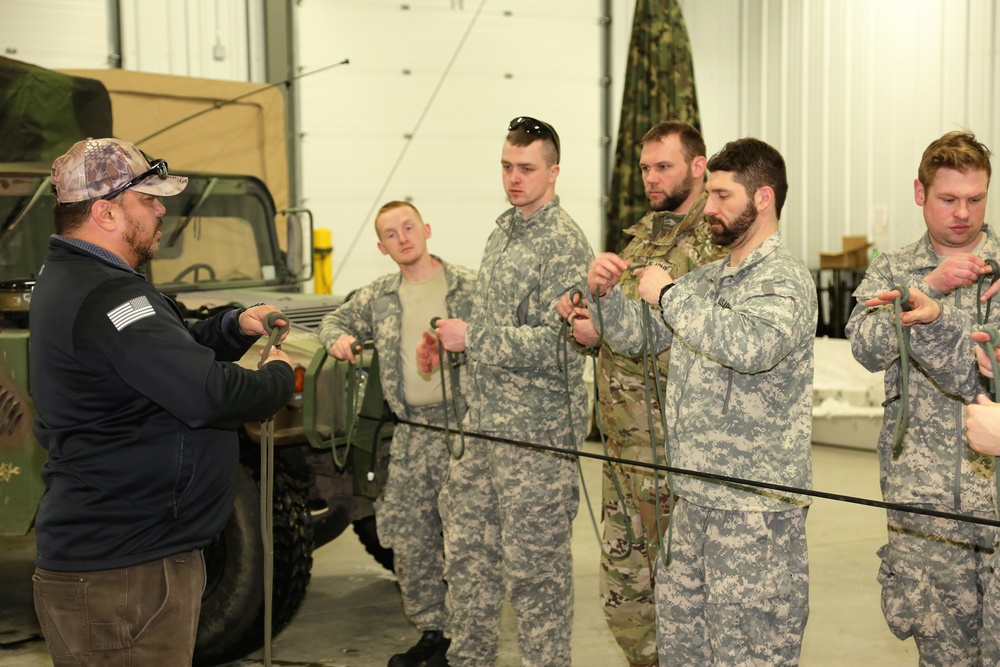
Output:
[[276, 331], [456, 392]]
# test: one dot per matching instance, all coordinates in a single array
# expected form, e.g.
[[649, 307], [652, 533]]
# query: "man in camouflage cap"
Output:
[[394, 311], [136, 409], [675, 235], [935, 572], [507, 509], [739, 396]]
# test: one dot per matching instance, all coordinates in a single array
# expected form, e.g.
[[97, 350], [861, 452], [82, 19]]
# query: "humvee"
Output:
[[219, 249]]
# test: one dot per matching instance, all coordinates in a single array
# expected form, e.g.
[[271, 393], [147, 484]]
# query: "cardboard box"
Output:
[[853, 256]]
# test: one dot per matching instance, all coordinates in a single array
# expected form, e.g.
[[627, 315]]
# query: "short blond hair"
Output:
[[392, 206]]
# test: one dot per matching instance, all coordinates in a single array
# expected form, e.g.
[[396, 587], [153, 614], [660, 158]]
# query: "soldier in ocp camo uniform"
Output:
[[508, 510], [934, 570], [675, 235], [738, 403], [394, 311]]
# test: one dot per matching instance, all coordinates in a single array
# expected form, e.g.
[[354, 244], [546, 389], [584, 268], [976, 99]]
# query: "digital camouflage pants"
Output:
[[736, 591], [508, 513], [408, 520], [934, 575]]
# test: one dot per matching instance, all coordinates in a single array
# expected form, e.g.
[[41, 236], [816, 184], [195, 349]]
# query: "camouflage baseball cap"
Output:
[[95, 168]]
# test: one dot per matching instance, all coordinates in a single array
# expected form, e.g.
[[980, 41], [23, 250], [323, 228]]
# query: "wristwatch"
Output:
[[663, 291]]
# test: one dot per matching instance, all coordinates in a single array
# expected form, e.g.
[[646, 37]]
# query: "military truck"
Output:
[[220, 247]]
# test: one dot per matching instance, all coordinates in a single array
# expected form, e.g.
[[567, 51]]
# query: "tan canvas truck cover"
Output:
[[246, 136]]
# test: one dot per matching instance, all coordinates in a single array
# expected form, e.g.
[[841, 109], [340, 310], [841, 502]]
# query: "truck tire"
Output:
[[232, 612], [365, 529]]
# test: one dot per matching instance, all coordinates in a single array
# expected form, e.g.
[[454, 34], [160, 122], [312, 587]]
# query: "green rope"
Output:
[[906, 353], [267, 486], [994, 276], [903, 341], [649, 359], [356, 376], [576, 296], [456, 389], [990, 346]]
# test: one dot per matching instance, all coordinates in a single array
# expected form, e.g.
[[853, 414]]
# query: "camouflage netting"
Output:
[[43, 113], [659, 86]]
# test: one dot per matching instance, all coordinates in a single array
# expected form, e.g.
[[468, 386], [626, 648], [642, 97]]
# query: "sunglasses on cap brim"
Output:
[[156, 168]]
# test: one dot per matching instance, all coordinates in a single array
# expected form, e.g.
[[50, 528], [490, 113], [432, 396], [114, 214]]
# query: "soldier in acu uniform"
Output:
[[394, 311], [738, 403], [508, 510], [934, 571], [675, 235]]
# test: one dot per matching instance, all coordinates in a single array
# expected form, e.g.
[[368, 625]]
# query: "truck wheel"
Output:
[[232, 611], [365, 528]]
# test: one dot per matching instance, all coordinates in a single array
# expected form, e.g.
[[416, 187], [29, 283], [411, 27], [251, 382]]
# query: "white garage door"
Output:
[[515, 57]]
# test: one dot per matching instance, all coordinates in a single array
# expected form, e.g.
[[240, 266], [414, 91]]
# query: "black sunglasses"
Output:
[[535, 126], [156, 167]]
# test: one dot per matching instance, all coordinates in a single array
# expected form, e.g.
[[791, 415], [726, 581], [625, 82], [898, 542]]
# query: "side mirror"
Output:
[[298, 260]]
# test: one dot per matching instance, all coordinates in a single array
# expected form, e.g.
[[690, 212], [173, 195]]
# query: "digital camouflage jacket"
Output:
[[678, 244], [513, 333], [739, 392], [936, 466], [374, 314]]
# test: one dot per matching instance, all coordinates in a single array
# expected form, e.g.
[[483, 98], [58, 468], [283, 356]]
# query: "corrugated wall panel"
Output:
[[851, 92], [186, 37]]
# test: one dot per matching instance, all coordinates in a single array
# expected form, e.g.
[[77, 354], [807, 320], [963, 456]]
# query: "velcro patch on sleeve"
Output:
[[767, 288], [131, 311]]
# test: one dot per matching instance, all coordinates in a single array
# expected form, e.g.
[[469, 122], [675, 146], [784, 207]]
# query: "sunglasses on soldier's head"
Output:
[[535, 126]]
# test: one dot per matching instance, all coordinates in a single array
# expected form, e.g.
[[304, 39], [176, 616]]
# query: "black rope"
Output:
[[745, 484]]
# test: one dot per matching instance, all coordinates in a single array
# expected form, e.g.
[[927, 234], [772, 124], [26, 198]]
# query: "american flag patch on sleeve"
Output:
[[131, 311]]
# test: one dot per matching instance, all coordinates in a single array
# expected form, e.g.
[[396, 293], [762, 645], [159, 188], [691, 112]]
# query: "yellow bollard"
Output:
[[323, 260]]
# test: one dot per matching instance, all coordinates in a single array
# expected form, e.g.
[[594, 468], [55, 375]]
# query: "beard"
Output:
[[672, 200], [732, 233], [144, 249]]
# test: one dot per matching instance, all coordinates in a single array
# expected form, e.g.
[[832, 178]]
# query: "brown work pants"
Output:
[[141, 615]]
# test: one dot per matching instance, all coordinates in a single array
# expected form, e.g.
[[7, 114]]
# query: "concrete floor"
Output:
[[352, 616]]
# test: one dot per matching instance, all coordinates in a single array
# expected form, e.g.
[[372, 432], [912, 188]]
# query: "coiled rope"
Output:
[[899, 304]]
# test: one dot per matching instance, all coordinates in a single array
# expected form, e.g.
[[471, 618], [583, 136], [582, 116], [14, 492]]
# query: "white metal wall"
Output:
[[850, 91], [203, 38], [57, 33]]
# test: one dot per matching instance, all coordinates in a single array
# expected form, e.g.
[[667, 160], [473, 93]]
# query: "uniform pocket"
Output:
[[61, 606], [744, 563], [908, 603]]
